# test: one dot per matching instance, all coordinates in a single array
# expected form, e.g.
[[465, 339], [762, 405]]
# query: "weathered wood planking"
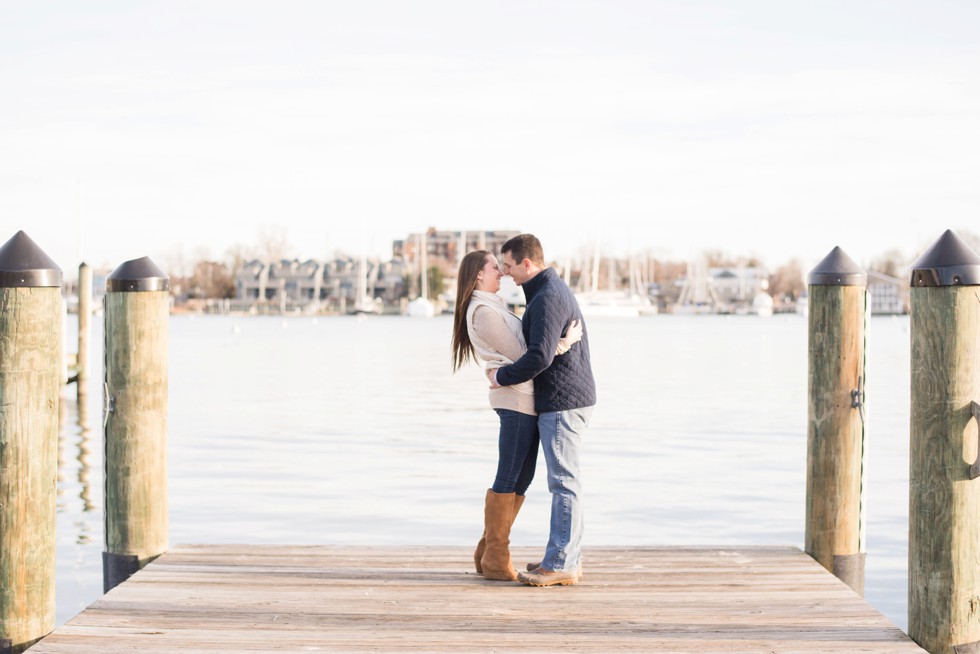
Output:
[[233, 598]]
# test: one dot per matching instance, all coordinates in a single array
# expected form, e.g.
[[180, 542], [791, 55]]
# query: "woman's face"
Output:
[[488, 279]]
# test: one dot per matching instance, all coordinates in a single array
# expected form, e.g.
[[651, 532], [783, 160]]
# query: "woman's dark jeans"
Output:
[[518, 452]]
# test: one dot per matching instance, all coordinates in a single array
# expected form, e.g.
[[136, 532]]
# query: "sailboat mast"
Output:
[[425, 267], [362, 279], [595, 269]]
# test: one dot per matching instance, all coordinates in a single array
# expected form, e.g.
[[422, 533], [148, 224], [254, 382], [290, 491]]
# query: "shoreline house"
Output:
[[889, 295], [313, 286], [721, 289]]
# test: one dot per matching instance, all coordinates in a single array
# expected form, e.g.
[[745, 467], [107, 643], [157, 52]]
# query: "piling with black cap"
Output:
[[944, 475], [838, 309], [137, 304], [30, 389]]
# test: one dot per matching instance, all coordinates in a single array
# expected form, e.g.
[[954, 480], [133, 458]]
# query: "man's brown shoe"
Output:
[[532, 566], [542, 577]]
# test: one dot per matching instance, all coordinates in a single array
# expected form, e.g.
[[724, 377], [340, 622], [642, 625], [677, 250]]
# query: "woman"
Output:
[[483, 328]]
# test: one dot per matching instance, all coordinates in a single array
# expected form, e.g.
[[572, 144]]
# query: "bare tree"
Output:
[[787, 281], [718, 259], [176, 263], [237, 255], [894, 262], [721, 259], [273, 244], [211, 280], [666, 274]]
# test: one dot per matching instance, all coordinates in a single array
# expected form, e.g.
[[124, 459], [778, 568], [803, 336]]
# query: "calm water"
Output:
[[355, 431]]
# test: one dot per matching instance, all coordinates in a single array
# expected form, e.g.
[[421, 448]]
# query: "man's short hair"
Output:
[[524, 246]]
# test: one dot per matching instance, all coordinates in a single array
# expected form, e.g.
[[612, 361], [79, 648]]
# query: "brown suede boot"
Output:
[[481, 547], [499, 514], [518, 503]]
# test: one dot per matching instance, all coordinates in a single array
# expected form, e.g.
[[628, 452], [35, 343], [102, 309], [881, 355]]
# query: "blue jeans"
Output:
[[561, 438], [518, 452]]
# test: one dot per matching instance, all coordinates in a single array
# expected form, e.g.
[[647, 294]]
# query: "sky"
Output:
[[777, 129]]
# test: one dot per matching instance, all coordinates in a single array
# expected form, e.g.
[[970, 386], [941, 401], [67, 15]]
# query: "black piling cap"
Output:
[[837, 269], [948, 262], [137, 275], [23, 263]]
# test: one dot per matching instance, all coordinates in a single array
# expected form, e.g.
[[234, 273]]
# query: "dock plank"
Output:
[[225, 598]]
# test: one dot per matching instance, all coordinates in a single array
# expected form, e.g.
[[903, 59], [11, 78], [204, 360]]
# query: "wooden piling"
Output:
[[135, 458], [84, 330], [835, 428], [944, 495], [63, 364], [30, 388]]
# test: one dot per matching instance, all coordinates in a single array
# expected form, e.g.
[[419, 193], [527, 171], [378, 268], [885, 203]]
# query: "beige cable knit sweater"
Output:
[[496, 335]]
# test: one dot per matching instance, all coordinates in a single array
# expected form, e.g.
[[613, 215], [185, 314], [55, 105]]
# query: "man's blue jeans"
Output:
[[561, 439]]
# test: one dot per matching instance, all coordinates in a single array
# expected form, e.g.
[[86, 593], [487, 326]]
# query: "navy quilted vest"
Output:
[[560, 382]]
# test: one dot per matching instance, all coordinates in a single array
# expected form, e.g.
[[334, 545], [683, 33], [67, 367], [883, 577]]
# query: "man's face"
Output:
[[516, 269]]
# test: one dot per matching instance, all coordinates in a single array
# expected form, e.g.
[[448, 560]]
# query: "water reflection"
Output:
[[62, 444], [75, 433], [84, 461], [78, 580]]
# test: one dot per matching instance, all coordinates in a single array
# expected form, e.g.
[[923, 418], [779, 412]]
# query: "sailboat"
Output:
[[363, 302], [698, 295], [613, 302], [422, 307]]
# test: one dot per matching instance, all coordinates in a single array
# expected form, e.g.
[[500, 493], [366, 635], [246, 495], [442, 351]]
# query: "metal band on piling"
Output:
[[135, 421], [30, 388], [835, 430], [117, 568], [944, 493]]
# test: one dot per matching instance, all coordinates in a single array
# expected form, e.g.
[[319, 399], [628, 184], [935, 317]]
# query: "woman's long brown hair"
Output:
[[469, 267]]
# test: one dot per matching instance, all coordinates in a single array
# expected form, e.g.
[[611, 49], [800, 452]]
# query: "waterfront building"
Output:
[[314, 286], [446, 248], [721, 289], [889, 295], [738, 285]]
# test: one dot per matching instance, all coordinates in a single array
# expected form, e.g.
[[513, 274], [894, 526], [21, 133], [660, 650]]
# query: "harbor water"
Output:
[[354, 430]]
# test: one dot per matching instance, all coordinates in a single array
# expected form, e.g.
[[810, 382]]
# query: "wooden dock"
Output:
[[234, 598]]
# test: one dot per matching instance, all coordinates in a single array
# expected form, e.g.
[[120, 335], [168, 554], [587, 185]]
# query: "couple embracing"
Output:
[[541, 387]]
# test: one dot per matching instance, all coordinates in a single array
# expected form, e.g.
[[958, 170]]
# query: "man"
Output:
[[564, 394]]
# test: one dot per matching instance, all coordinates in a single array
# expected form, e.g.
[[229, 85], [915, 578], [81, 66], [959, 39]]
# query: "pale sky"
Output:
[[774, 128]]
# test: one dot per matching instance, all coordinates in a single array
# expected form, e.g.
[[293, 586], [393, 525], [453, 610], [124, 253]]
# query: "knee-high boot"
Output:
[[481, 547], [499, 514], [518, 503]]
